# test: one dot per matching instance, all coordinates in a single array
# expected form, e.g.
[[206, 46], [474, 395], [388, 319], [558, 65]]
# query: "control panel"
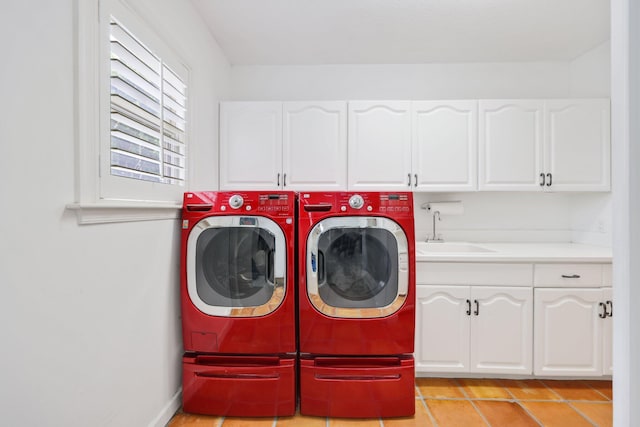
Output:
[[273, 204], [391, 204]]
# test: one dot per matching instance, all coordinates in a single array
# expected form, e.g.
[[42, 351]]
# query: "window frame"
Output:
[[99, 196]]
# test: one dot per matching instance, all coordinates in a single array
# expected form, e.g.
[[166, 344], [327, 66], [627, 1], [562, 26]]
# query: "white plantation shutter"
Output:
[[148, 113]]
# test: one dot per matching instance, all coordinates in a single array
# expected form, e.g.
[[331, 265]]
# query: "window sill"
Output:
[[103, 213]]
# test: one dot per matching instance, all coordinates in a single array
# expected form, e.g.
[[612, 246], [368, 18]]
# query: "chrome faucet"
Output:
[[435, 237]]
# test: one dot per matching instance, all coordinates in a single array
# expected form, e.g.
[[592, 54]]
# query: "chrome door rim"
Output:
[[357, 222], [280, 266]]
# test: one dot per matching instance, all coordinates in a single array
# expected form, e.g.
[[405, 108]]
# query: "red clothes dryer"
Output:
[[356, 304], [238, 303]]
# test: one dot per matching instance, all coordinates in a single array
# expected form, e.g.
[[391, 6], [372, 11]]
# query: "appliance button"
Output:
[[248, 207], [356, 201], [343, 208], [369, 208], [236, 201], [223, 208]]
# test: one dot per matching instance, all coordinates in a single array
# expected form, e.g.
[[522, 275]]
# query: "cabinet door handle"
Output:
[[572, 276], [477, 310], [416, 177], [550, 180], [284, 180], [278, 183], [610, 305], [541, 180], [604, 311], [409, 180], [468, 308]]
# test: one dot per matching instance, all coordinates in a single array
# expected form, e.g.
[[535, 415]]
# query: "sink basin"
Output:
[[449, 247]]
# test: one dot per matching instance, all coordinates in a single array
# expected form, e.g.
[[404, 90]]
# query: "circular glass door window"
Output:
[[357, 267], [235, 266]]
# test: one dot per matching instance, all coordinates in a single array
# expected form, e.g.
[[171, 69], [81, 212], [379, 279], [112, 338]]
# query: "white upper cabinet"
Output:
[[379, 145], [510, 144], [577, 135], [250, 145], [315, 146], [455, 145], [444, 145], [294, 146], [552, 145]]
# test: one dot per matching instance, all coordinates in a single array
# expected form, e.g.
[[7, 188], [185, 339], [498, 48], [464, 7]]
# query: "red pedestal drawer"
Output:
[[239, 385], [357, 387]]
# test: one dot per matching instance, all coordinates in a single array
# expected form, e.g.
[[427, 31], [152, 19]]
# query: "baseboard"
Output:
[[168, 411]]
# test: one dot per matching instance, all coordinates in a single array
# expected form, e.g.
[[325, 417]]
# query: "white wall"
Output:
[[625, 126], [591, 213], [498, 217], [412, 81], [590, 73], [89, 315]]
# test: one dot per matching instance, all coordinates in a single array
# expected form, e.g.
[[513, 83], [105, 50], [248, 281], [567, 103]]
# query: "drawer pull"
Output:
[[604, 313], [468, 307], [610, 305], [477, 310], [573, 276]]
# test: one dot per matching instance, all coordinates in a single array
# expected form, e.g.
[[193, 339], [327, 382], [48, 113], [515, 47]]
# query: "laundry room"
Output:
[[269, 101]]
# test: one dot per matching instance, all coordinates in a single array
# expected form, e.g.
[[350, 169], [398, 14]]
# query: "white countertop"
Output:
[[511, 252]]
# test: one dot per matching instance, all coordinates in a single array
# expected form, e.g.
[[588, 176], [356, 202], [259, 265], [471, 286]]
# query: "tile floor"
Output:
[[446, 402]]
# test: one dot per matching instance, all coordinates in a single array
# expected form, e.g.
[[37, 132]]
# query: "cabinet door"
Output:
[[567, 332], [315, 146], [510, 144], [607, 333], [379, 145], [442, 329], [444, 145], [501, 330], [578, 144], [250, 145]]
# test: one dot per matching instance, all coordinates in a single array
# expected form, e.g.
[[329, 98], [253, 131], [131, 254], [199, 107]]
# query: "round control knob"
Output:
[[236, 201], [356, 201]]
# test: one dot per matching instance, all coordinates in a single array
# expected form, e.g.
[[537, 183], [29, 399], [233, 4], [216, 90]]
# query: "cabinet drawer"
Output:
[[607, 275], [470, 273], [567, 275]]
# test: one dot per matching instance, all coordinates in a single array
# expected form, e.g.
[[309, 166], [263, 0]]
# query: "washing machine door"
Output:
[[236, 266], [357, 267]]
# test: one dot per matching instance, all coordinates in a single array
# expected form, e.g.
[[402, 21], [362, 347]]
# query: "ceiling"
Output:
[[301, 32]]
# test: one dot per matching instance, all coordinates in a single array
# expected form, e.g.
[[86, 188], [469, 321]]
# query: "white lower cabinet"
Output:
[[572, 331], [484, 329]]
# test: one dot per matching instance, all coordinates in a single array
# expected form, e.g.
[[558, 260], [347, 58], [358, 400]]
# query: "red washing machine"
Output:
[[356, 304], [238, 303]]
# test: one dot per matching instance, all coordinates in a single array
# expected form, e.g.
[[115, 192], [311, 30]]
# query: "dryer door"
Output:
[[357, 267], [236, 266]]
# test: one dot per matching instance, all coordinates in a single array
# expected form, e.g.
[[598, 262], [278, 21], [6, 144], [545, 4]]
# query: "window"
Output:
[[132, 115], [148, 113]]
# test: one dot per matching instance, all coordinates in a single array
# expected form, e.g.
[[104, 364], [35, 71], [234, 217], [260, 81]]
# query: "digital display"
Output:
[[394, 197], [274, 196]]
